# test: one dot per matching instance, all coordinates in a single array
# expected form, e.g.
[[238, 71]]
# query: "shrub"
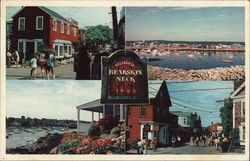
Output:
[[73, 143], [94, 130], [235, 137], [108, 123]]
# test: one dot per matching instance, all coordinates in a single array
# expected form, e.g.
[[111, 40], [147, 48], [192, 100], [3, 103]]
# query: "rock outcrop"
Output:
[[220, 73], [42, 146]]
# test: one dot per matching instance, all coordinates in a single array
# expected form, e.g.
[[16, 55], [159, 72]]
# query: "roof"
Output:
[[182, 114], [91, 106], [48, 11], [237, 91], [53, 13]]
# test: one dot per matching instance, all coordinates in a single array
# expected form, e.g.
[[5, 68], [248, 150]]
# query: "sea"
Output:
[[19, 136], [196, 60]]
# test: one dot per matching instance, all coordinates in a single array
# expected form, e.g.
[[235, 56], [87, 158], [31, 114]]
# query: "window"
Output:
[[70, 51], [68, 29], [39, 46], [60, 50], [54, 25], [21, 23], [62, 27], [142, 111], [74, 32], [20, 46], [185, 121], [56, 49], [39, 22], [65, 50]]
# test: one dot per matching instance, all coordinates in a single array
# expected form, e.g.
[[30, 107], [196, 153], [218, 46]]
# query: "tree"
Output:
[[98, 36], [226, 116]]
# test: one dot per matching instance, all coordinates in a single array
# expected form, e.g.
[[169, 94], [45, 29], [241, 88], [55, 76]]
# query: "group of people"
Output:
[[12, 57], [176, 141], [223, 142], [142, 145], [87, 64], [46, 61]]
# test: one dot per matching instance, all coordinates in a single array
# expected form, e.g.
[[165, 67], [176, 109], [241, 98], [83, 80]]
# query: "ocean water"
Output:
[[190, 60], [24, 136]]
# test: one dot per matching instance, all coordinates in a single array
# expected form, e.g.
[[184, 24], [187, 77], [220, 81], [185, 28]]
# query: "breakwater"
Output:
[[220, 73]]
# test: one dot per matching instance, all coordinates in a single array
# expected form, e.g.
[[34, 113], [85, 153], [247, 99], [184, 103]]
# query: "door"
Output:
[[29, 50]]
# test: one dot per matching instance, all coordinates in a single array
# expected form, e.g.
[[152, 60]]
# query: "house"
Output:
[[145, 121], [36, 28], [185, 119], [215, 129], [238, 97]]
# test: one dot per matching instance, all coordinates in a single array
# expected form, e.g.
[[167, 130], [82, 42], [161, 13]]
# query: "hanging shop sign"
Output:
[[124, 78]]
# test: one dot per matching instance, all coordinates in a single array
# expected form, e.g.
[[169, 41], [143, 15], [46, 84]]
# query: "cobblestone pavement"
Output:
[[62, 72], [185, 149]]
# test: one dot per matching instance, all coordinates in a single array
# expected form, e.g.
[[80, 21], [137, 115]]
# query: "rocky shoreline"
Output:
[[42, 146], [221, 73]]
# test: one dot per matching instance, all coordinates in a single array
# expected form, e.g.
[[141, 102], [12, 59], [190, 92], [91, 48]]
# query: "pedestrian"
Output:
[[178, 141], [173, 140], [8, 58], [191, 140], [96, 68], [33, 65], [225, 145], [216, 141], [145, 147], [49, 64], [154, 144], [82, 67], [17, 58], [204, 140], [197, 141], [139, 147], [210, 140], [42, 64]]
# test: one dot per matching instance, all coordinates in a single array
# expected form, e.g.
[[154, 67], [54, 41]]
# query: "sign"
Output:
[[124, 78]]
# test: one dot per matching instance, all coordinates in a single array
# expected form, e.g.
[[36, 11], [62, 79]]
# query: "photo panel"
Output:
[[50, 42]]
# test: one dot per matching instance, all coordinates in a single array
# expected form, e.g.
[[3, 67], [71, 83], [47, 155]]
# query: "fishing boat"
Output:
[[227, 61]]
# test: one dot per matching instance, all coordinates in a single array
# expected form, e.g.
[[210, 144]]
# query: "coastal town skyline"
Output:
[[186, 23], [59, 99]]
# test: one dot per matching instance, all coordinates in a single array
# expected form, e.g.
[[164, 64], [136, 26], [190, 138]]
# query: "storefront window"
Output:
[[56, 49], [70, 51], [61, 50]]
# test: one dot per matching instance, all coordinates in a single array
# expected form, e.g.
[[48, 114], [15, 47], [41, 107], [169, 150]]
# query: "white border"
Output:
[[5, 3]]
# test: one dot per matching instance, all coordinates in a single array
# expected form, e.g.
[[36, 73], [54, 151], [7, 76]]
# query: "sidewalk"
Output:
[[62, 72], [185, 149]]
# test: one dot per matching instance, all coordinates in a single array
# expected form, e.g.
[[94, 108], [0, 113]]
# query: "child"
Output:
[[33, 65]]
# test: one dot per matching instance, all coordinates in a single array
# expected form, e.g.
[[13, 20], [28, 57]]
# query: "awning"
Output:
[[94, 106], [58, 41]]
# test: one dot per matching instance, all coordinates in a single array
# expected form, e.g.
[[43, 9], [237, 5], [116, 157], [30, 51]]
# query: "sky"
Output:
[[58, 99], [86, 16], [185, 23]]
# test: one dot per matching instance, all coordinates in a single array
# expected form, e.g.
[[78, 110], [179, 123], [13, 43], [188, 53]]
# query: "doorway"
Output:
[[29, 50]]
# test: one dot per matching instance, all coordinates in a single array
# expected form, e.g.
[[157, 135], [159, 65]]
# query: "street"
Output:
[[62, 72], [185, 149]]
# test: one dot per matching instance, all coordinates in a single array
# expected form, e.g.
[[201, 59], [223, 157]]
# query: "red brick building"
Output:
[[35, 28], [153, 120], [238, 97]]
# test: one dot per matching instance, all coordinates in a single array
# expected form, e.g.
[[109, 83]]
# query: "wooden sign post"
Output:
[[124, 81]]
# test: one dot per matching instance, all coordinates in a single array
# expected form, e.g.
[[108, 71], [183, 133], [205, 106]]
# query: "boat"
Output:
[[153, 59], [190, 55], [227, 61]]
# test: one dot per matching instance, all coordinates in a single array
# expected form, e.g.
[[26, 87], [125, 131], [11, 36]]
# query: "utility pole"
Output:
[[115, 27]]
